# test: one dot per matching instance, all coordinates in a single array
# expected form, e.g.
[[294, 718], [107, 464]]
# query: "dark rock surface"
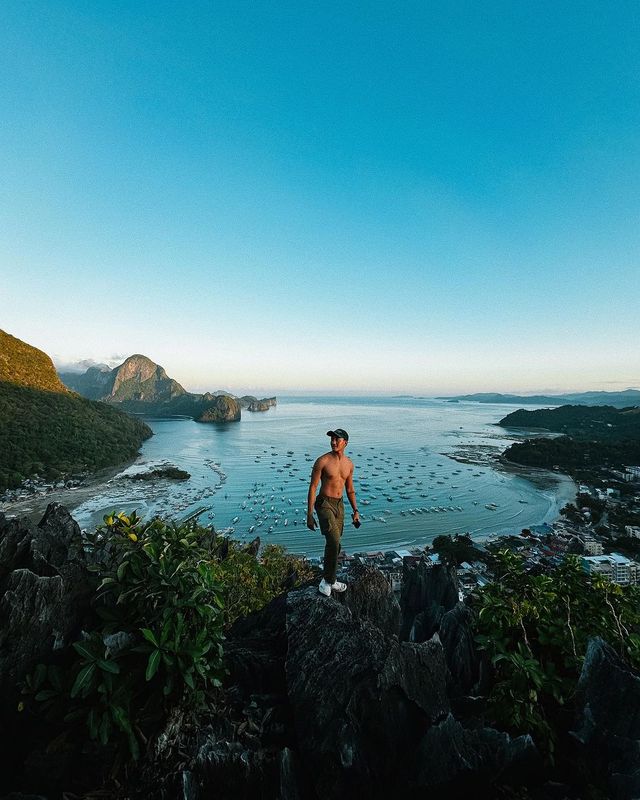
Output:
[[359, 698], [44, 591], [428, 592], [608, 724], [371, 598], [456, 758], [44, 600], [457, 637]]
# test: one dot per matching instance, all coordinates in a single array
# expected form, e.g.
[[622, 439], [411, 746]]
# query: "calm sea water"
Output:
[[253, 476]]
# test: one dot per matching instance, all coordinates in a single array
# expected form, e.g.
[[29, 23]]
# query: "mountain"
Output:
[[628, 397], [137, 378], [23, 365], [49, 431], [141, 386]]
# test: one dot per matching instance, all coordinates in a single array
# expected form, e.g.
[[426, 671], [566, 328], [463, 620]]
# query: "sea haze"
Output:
[[410, 459]]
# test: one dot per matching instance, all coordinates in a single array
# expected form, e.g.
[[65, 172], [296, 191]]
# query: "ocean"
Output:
[[423, 467]]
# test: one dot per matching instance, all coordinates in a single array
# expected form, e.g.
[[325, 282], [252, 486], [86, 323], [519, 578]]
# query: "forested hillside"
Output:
[[52, 434], [48, 431]]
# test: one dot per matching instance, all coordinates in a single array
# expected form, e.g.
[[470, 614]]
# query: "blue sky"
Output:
[[415, 197]]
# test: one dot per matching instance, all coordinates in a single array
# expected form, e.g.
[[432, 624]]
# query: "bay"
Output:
[[411, 476]]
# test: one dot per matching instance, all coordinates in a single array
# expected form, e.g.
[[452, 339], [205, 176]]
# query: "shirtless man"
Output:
[[334, 472]]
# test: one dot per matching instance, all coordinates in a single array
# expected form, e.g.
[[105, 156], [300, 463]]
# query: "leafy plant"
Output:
[[535, 629], [164, 594]]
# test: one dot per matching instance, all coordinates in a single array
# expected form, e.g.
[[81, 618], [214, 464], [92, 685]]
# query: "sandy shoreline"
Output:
[[34, 507]]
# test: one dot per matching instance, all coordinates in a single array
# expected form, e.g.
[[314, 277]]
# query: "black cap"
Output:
[[339, 433]]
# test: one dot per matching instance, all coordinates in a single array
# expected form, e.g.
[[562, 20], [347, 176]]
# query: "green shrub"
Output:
[[164, 594], [535, 629]]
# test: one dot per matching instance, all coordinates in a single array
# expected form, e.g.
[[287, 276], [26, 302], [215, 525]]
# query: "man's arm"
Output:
[[351, 495], [316, 474]]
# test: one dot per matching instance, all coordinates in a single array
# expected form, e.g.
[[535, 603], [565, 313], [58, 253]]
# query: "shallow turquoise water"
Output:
[[256, 473]]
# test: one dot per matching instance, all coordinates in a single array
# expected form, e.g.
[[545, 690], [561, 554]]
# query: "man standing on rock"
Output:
[[334, 471]]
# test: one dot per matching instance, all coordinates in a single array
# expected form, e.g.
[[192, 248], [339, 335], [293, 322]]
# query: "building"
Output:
[[632, 531], [614, 566], [592, 547], [633, 473]]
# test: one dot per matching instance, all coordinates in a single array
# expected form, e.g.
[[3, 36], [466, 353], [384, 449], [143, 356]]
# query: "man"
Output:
[[334, 472]]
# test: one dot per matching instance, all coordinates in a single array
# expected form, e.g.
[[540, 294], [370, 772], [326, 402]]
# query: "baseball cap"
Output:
[[339, 433]]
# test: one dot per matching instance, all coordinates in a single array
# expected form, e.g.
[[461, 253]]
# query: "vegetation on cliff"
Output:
[[535, 630], [165, 593], [24, 365], [50, 434]]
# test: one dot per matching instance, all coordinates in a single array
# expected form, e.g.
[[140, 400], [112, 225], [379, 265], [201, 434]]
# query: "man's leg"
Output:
[[330, 528]]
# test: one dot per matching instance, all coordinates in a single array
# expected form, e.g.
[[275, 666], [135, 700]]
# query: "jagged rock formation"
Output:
[[45, 590], [428, 592], [609, 718], [322, 700]]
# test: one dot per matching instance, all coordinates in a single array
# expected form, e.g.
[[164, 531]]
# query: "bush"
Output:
[[164, 594], [535, 629]]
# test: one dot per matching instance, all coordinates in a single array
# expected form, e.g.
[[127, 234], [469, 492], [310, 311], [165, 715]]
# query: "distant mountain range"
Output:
[[139, 385], [628, 397], [49, 431]]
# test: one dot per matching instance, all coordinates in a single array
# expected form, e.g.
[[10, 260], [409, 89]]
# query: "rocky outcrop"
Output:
[[360, 699], [220, 409], [328, 702], [608, 723], [371, 598], [428, 592], [253, 404], [322, 698], [44, 591]]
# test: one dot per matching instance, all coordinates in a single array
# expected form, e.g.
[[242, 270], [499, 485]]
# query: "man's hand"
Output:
[[311, 522], [356, 519]]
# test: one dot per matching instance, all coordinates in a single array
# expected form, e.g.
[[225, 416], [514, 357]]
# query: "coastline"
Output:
[[33, 508]]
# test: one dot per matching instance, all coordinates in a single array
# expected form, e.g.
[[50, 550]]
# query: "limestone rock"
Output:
[[428, 592], [253, 404], [139, 378], [221, 409], [44, 591], [462, 759], [457, 637], [608, 723], [371, 598], [359, 698]]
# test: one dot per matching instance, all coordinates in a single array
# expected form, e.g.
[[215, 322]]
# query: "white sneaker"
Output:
[[338, 587], [325, 588]]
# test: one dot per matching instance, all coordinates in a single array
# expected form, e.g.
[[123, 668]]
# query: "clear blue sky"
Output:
[[419, 196]]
